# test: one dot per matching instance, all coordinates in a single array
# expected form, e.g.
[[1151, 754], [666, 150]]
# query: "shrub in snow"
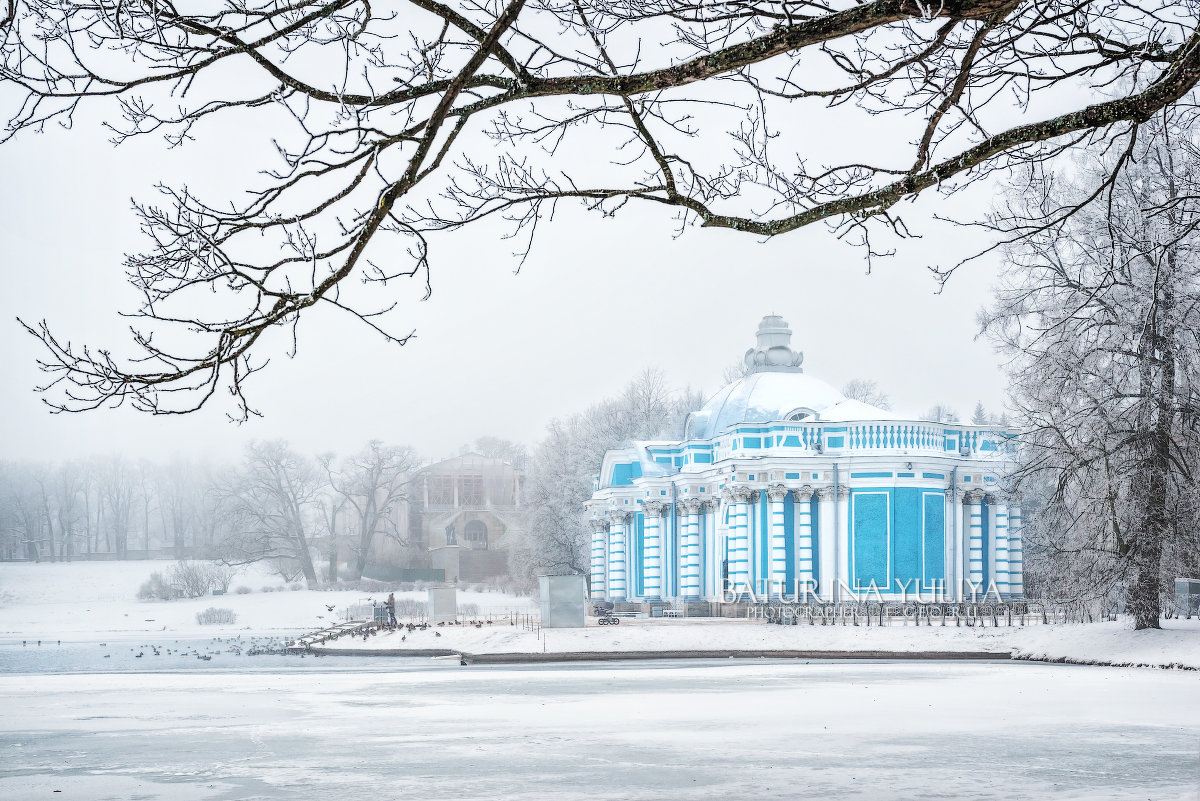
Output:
[[243, 590], [213, 616], [192, 579], [157, 588], [223, 575]]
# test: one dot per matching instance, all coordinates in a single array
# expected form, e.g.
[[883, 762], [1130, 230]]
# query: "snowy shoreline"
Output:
[[1177, 646], [84, 601]]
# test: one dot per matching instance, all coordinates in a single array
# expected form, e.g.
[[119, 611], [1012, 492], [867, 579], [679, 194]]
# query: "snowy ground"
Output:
[[695, 730], [74, 600], [80, 601]]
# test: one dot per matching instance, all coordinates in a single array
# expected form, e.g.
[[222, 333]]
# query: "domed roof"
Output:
[[762, 397]]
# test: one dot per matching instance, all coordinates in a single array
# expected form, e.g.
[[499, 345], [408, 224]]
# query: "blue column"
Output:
[[738, 499], [689, 563], [599, 559], [778, 554], [1016, 577], [617, 588], [1000, 547], [973, 503], [652, 551], [805, 579]]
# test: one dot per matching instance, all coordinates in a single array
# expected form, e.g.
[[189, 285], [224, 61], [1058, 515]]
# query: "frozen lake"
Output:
[[359, 728]]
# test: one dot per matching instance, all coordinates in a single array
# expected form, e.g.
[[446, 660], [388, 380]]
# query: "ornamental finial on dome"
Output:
[[774, 353]]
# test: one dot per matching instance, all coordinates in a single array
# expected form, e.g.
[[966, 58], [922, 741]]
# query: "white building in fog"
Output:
[[781, 486]]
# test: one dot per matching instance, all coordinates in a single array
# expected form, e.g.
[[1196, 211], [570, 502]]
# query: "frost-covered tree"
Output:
[[942, 413], [1097, 314], [393, 123], [372, 482], [271, 504], [563, 465], [867, 391]]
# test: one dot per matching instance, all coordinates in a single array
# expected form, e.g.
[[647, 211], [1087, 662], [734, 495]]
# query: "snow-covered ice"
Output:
[[697, 730], [172, 727]]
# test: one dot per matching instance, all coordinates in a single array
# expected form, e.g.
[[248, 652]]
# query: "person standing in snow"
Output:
[[390, 604]]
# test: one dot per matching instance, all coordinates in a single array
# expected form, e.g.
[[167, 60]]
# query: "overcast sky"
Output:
[[496, 353]]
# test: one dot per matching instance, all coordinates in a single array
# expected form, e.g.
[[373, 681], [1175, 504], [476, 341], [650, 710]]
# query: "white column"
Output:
[[999, 526], [954, 540], [826, 542], [1016, 577], [973, 515], [617, 590], [599, 559], [689, 564], [652, 551], [778, 532], [843, 515], [804, 541], [739, 539]]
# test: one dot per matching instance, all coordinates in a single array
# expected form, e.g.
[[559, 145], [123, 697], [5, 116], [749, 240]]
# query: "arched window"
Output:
[[475, 534], [802, 413]]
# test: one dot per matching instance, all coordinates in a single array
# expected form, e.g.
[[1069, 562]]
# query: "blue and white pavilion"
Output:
[[784, 488]]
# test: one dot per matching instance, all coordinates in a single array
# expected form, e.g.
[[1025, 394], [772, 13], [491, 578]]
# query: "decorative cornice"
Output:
[[777, 493], [973, 497], [654, 508], [804, 493], [619, 517], [737, 494], [825, 493], [692, 505]]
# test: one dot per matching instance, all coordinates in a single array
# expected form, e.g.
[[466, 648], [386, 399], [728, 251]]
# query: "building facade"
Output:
[[460, 518], [784, 488]]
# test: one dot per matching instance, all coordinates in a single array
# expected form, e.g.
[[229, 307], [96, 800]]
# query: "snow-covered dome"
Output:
[[776, 389], [763, 397]]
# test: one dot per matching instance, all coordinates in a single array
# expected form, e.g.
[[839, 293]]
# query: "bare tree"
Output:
[[372, 482], [118, 488], [270, 503], [563, 465], [671, 104], [867, 391], [1098, 314]]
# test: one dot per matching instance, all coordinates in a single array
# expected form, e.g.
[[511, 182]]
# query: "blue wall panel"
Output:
[[935, 536], [906, 535], [871, 521]]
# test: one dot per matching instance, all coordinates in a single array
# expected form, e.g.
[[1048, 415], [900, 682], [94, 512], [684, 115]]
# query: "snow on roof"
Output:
[[850, 410], [763, 397]]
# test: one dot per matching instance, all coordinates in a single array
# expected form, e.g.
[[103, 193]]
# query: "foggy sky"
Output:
[[496, 353]]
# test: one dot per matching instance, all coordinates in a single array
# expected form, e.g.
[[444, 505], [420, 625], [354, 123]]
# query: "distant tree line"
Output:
[[274, 504]]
